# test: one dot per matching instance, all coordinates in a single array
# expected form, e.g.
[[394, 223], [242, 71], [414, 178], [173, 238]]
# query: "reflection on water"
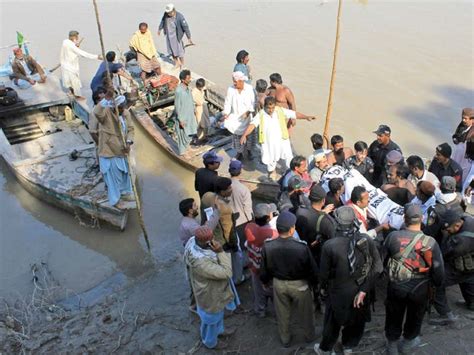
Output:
[[406, 64]]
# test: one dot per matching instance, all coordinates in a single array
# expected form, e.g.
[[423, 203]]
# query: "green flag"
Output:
[[19, 39]]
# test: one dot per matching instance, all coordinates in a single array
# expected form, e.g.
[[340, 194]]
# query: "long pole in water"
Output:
[[130, 167], [333, 76]]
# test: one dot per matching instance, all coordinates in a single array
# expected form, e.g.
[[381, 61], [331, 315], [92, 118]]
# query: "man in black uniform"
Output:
[[289, 263], [313, 224], [443, 165], [205, 178], [378, 151], [414, 260], [350, 264], [458, 253]]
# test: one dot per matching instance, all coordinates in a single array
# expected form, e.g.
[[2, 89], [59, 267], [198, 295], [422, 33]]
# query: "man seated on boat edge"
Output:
[[26, 70], [142, 43], [112, 148]]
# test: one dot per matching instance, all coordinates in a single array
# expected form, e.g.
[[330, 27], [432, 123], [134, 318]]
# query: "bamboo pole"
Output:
[[130, 167], [333, 76]]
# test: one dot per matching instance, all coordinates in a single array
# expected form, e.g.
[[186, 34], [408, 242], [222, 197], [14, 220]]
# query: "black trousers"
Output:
[[454, 277], [352, 331], [410, 306]]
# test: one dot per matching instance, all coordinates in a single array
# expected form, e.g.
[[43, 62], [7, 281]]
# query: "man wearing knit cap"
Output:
[[443, 165], [458, 253], [209, 269], [425, 198], [378, 151], [291, 266], [408, 289], [241, 203], [350, 264]]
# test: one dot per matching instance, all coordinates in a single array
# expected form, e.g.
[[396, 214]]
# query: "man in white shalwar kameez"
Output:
[[272, 123], [238, 109], [69, 60]]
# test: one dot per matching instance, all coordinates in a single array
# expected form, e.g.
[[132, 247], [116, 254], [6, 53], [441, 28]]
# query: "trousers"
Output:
[[260, 295], [293, 296], [405, 306], [451, 278]]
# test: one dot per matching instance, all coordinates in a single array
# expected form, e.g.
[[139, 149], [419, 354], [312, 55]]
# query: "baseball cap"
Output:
[[262, 210], [235, 165], [444, 149], [317, 193], [383, 129], [450, 217], [448, 184], [286, 220], [394, 157], [345, 215], [211, 157], [296, 182], [169, 8], [413, 212]]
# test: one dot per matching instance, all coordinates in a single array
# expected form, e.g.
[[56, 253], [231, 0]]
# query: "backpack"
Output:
[[406, 265], [8, 96]]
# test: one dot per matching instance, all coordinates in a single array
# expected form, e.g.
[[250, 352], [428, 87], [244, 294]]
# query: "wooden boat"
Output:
[[153, 120], [37, 137]]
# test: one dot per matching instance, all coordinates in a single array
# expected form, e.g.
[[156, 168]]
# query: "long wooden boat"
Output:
[[38, 135], [153, 119]]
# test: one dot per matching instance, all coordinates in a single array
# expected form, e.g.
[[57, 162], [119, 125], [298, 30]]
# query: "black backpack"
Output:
[[8, 96]]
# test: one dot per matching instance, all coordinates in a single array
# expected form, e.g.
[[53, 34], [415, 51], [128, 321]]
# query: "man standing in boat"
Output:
[[69, 59], [174, 26], [112, 148], [142, 43], [238, 109], [186, 125], [273, 134]]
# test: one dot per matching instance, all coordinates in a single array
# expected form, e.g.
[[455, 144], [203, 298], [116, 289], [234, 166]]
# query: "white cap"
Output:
[[169, 7], [238, 75]]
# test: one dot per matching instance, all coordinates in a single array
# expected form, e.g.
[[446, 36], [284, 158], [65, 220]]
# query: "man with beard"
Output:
[[350, 264]]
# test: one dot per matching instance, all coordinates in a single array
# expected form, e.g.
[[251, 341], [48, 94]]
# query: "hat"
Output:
[[318, 157], [296, 182], [426, 187], [345, 215], [394, 157], [235, 165], [238, 75], [448, 184], [73, 33], [317, 193], [273, 207], [169, 8], [211, 157], [203, 234], [285, 221], [469, 112], [413, 212], [444, 149], [262, 210], [383, 129], [450, 217]]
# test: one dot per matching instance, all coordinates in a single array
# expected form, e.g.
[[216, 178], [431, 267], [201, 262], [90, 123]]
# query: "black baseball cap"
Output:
[[444, 149], [383, 129]]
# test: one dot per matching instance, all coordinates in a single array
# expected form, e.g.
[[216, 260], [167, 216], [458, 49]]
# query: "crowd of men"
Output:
[[320, 247]]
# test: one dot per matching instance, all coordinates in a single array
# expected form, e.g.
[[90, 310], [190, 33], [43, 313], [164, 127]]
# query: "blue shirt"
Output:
[[97, 79]]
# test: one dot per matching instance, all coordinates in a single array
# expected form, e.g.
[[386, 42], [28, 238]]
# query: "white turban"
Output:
[[238, 75]]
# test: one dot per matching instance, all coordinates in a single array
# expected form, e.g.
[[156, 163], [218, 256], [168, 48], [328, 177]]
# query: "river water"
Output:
[[408, 64]]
